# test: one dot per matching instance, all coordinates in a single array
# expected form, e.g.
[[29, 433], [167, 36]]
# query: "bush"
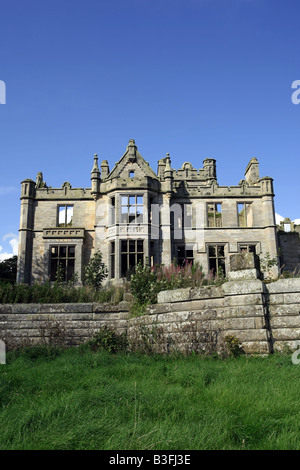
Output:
[[146, 282], [56, 293], [108, 340], [95, 272]]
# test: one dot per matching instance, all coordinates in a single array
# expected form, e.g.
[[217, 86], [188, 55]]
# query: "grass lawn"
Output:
[[78, 399]]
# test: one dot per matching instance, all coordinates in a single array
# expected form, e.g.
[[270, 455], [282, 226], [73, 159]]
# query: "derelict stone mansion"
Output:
[[131, 213]]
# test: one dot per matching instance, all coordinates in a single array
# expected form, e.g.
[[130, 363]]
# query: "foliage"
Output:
[[266, 264], [95, 272], [233, 345], [290, 274], [108, 340], [147, 281], [56, 293], [8, 269]]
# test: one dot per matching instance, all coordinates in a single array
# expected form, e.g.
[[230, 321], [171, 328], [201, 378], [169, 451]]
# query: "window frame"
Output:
[[181, 260], [247, 246], [138, 218], [60, 257], [128, 254], [65, 223], [217, 246], [214, 212], [245, 204]]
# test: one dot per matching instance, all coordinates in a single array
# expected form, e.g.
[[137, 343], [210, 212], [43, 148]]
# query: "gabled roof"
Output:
[[131, 158]]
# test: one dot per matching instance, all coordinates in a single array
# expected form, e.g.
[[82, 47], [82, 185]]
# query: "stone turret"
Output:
[[95, 177], [210, 171]]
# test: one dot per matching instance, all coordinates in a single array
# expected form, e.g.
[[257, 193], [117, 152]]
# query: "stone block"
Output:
[[176, 295], [286, 322], [243, 287], [241, 261], [26, 308], [286, 334], [243, 299], [256, 347], [292, 298], [275, 299], [206, 292], [284, 310], [243, 275], [284, 286]]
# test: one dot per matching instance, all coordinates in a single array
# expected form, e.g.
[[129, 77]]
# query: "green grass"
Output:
[[78, 399]]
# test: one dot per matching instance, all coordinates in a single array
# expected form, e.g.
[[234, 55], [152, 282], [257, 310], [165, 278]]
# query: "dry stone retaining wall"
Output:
[[265, 317]]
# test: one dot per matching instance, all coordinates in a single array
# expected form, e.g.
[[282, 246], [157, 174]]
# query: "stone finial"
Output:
[[168, 172], [39, 179], [95, 168], [95, 176], [131, 148]]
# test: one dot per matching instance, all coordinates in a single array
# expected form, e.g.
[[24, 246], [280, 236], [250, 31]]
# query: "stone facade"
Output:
[[133, 214]]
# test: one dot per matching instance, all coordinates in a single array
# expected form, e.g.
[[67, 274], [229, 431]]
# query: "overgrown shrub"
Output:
[[146, 282], [108, 340], [56, 293], [95, 272]]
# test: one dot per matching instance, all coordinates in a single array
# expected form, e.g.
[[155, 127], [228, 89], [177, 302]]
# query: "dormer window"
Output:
[[131, 174]]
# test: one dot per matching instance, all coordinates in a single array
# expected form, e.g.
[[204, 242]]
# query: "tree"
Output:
[[8, 269], [95, 272]]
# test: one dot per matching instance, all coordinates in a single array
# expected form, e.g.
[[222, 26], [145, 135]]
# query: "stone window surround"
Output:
[[226, 255], [77, 242], [214, 203], [244, 203]]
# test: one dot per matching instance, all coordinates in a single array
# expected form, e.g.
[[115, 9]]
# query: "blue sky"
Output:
[[195, 78]]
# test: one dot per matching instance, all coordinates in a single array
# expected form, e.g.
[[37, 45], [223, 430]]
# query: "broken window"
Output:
[[245, 215], [185, 255], [214, 215], [65, 216], [62, 262], [132, 252], [247, 248], [132, 209], [216, 256]]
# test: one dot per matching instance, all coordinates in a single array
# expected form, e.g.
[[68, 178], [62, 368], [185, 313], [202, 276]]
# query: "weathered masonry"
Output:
[[133, 214], [263, 316]]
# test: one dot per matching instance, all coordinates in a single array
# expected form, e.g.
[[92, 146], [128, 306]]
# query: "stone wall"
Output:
[[265, 317]]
